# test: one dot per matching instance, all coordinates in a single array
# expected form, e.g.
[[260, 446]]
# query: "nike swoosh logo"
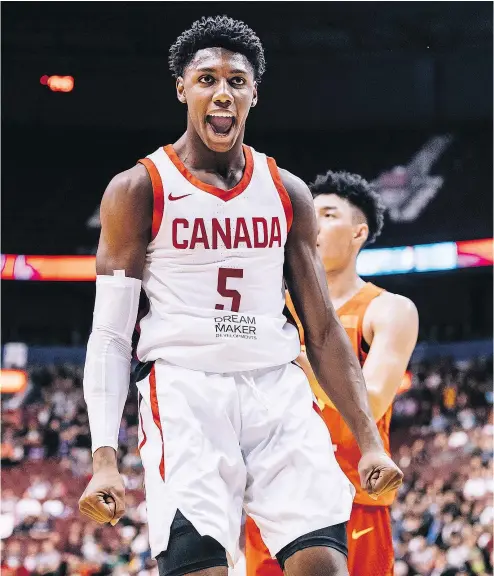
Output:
[[170, 197], [356, 535]]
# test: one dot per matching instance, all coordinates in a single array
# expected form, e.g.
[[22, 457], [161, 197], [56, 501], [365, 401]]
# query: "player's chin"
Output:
[[220, 142]]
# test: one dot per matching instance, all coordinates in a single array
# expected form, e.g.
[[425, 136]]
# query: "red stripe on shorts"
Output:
[[155, 410], [144, 437]]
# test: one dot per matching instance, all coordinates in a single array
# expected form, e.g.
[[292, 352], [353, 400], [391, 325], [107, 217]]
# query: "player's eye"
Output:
[[329, 215], [238, 81], [207, 79]]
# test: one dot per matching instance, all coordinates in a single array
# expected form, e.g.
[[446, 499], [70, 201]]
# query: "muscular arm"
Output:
[[328, 347], [391, 326], [126, 216]]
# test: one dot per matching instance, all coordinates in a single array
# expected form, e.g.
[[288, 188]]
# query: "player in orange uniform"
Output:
[[383, 329]]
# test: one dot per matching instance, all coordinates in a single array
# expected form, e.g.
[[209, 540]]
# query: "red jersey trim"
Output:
[[284, 197], [155, 410], [158, 195], [224, 195]]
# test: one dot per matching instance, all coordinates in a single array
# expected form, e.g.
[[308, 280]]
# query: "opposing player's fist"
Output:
[[378, 474], [104, 498]]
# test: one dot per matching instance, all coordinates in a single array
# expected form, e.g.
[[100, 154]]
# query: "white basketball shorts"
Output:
[[214, 443]]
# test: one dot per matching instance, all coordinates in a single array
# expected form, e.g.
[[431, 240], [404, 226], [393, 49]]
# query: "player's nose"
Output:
[[223, 96]]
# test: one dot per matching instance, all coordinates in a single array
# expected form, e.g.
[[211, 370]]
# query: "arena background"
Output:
[[398, 92]]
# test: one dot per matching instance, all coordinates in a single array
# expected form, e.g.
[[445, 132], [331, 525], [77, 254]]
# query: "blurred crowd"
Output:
[[442, 439], [46, 462]]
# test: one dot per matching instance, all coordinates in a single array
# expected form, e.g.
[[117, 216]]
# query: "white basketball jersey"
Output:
[[214, 269]]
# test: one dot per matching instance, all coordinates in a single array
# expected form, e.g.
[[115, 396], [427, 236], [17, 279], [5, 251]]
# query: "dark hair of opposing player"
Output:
[[217, 32], [358, 192]]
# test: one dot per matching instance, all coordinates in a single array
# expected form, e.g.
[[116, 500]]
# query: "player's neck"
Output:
[[196, 156], [343, 285]]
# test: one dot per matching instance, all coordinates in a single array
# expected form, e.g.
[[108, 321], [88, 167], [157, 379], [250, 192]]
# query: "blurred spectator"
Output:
[[49, 559], [31, 560]]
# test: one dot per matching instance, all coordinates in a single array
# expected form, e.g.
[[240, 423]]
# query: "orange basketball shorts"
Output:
[[370, 545]]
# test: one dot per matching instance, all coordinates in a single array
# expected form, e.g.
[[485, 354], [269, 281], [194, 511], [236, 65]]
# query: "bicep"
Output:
[[126, 214]]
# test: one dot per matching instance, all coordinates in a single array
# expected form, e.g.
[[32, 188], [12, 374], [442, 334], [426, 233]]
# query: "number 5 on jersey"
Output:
[[223, 275]]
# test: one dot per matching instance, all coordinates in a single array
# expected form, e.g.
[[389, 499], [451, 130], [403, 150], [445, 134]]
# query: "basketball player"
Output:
[[383, 329], [211, 229]]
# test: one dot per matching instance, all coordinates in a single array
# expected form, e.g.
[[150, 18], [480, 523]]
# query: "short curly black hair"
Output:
[[217, 32], [358, 192]]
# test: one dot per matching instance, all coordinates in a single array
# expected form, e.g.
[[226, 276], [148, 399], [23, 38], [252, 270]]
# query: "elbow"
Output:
[[377, 404], [320, 334], [317, 347], [328, 337], [106, 352], [103, 340]]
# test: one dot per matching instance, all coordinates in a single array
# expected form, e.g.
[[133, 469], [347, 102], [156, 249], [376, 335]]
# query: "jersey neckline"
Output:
[[224, 195]]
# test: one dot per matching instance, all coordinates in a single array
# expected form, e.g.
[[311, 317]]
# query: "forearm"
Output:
[[338, 372], [376, 405], [378, 400], [106, 386], [107, 368]]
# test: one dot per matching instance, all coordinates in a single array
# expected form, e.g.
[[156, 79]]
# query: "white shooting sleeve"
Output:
[[109, 349]]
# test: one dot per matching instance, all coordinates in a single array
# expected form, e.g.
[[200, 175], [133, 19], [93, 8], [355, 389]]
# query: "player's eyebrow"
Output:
[[325, 208], [213, 70]]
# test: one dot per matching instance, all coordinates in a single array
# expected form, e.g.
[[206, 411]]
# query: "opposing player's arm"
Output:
[[328, 347], [393, 323], [126, 217]]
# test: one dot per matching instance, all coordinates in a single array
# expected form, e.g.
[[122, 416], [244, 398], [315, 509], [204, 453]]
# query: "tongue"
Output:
[[220, 124]]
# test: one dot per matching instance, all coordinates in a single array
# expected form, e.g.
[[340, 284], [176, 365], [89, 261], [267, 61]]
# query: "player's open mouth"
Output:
[[220, 124]]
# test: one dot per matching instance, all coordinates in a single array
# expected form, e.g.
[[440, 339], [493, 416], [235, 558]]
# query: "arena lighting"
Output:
[[12, 381], [377, 262], [58, 83]]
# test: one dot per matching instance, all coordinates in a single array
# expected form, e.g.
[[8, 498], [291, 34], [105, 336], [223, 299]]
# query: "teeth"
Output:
[[222, 115]]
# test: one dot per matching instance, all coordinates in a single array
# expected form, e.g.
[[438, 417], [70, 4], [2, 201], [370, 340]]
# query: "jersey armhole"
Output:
[[158, 195], [364, 346], [363, 342], [284, 197]]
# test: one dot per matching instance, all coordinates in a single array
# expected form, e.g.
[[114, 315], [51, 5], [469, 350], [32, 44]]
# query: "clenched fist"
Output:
[[378, 474], [104, 498]]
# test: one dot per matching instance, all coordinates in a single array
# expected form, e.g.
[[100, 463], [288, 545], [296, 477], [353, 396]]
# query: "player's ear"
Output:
[[181, 90], [360, 234], [254, 98]]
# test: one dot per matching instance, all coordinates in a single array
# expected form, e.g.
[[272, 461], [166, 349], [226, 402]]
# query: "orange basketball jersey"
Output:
[[347, 452]]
